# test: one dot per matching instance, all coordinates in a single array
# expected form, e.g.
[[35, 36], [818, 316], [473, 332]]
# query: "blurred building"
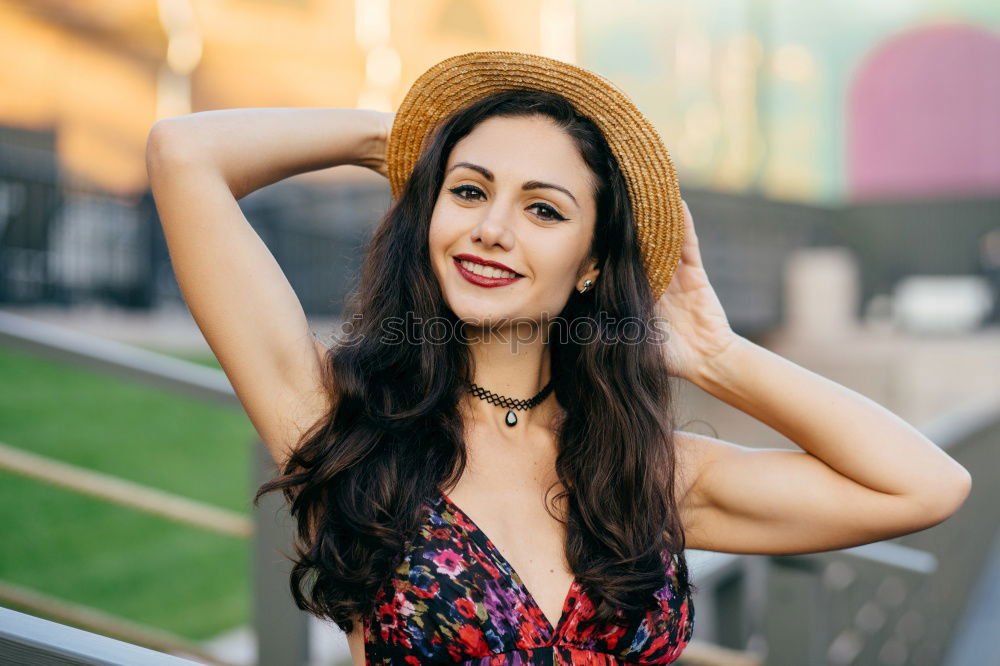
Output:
[[791, 125], [805, 102]]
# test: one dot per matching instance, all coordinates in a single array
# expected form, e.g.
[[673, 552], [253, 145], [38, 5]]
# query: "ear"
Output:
[[590, 272]]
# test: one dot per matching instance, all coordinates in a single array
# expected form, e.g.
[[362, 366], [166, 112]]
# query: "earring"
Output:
[[586, 285]]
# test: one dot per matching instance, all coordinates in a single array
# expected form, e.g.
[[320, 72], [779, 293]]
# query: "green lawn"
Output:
[[144, 568]]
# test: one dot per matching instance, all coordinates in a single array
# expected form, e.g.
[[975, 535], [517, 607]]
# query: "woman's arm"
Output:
[[198, 166], [864, 475], [252, 148]]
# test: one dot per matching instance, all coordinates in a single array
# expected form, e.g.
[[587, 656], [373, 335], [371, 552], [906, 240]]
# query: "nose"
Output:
[[494, 229]]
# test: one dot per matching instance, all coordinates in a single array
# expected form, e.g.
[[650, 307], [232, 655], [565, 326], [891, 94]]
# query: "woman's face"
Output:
[[516, 191]]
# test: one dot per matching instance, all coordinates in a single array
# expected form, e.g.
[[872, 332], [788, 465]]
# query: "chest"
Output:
[[504, 493], [487, 576]]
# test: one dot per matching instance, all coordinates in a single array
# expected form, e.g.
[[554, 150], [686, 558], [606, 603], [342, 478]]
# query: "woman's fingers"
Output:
[[689, 251]]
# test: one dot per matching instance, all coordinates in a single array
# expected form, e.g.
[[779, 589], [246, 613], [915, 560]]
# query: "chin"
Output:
[[483, 317], [481, 312]]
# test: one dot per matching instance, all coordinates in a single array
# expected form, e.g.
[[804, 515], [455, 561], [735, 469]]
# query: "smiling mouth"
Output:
[[488, 272], [505, 278]]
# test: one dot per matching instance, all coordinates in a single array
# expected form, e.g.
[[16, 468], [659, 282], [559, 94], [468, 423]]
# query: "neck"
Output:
[[516, 364]]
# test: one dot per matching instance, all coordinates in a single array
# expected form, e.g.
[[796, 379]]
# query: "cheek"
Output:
[[440, 228], [558, 260], [440, 237]]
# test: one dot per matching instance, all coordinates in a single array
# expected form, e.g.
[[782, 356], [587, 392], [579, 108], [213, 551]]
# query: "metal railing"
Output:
[[191, 379], [31, 641], [888, 603]]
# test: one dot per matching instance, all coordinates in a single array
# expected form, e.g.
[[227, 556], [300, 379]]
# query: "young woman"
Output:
[[477, 477]]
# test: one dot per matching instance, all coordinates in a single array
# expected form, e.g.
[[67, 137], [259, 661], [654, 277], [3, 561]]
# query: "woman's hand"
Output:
[[697, 327], [375, 160]]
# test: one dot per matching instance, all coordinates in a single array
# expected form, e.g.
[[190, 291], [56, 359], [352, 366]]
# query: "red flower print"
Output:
[[471, 639], [433, 591], [486, 563], [465, 608], [530, 633], [459, 519], [535, 613], [455, 599], [612, 635]]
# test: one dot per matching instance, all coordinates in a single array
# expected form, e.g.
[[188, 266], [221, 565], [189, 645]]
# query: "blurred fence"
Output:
[[891, 603], [831, 609], [62, 241], [745, 241]]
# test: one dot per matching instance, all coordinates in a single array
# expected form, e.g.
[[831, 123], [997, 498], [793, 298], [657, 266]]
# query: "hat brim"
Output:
[[642, 156]]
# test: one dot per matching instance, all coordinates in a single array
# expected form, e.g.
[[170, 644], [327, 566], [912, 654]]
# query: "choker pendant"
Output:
[[510, 403]]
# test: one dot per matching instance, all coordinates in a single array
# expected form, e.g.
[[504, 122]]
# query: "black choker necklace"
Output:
[[509, 403]]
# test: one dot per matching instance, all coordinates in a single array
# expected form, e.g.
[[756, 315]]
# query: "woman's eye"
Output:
[[465, 188], [549, 211], [545, 212]]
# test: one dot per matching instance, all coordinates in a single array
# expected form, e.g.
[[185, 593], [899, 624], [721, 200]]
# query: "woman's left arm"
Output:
[[864, 474]]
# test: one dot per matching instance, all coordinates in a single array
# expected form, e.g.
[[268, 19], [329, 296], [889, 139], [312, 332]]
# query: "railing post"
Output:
[[755, 575], [282, 629]]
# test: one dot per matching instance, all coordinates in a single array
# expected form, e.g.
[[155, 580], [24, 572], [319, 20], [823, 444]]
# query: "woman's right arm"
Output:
[[199, 166]]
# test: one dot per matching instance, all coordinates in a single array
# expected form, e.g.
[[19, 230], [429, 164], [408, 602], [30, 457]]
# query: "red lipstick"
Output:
[[486, 262], [482, 280]]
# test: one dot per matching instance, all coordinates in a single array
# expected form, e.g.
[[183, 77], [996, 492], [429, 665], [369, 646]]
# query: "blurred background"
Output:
[[841, 161]]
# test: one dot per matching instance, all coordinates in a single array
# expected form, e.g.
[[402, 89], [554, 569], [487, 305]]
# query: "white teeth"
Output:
[[486, 271]]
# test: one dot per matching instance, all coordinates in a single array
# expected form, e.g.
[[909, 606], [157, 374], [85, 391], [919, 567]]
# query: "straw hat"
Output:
[[649, 173]]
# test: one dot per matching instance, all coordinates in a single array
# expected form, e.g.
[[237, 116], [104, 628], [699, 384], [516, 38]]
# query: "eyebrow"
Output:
[[528, 185]]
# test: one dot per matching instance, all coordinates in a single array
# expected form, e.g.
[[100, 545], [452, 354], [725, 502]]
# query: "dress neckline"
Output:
[[489, 546]]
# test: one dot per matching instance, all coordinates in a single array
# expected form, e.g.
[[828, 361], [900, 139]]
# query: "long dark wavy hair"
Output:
[[357, 480]]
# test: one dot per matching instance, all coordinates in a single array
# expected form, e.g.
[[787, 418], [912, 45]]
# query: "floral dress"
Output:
[[454, 599]]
